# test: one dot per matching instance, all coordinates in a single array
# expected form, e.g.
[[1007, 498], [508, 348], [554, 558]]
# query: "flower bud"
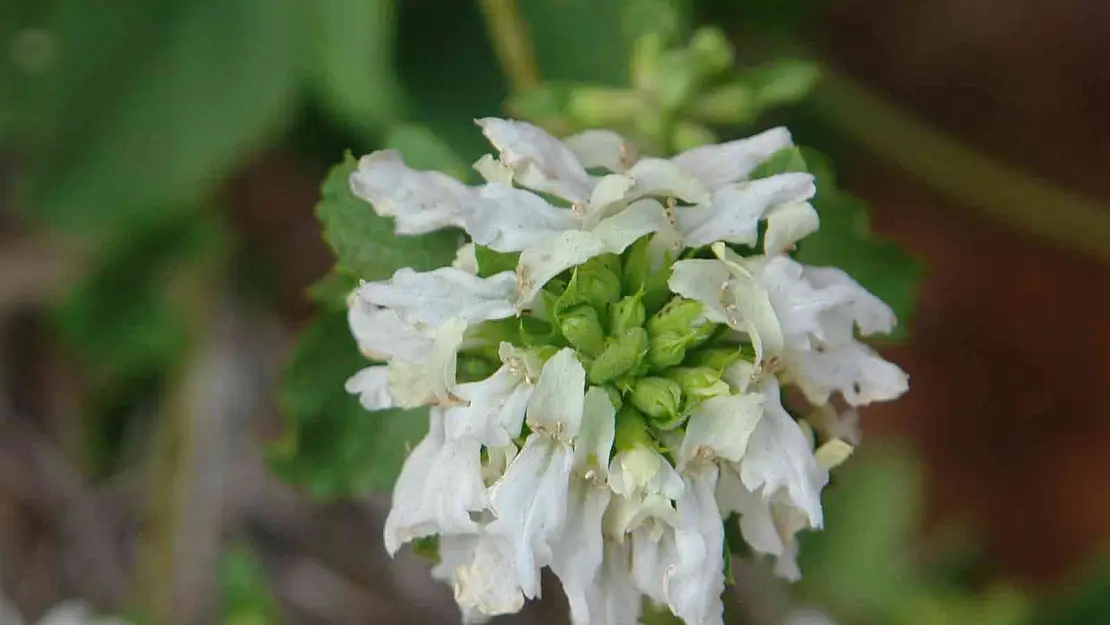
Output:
[[626, 314], [677, 79], [645, 61], [717, 358], [596, 282], [688, 135], [632, 430], [667, 349], [711, 50], [582, 329], [658, 398], [698, 382], [678, 315], [623, 354], [729, 104], [603, 106], [638, 275]]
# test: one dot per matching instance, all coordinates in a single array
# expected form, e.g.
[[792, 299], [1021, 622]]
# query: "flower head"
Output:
[[634, 319]]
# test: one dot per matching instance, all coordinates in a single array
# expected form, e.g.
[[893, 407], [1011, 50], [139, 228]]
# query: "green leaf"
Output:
[[247, 597], [845, 240], [364, 243], [349, 50], [786, 160], [158, 122], [332, 290], [333, 445], [862, 563], [491, 262]]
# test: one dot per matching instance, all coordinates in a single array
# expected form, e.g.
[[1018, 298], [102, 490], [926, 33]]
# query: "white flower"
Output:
[[646, 485], [419, 201], [768, 525], [695, 579], [493, 411], [480, 569], [530, 500], [439, 486], [433, 297], [613, 598], [577, 552]]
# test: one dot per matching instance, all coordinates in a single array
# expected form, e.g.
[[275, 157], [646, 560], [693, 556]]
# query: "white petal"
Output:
[[372, 388], [787, 224], [557, 404], [487, 584], [511, 220], [421, 201], [855, 370], [455, 553], [494, 410], [432, 297], [466, 260], [800, 308], [734, 213], [651, 559], [439, 485], [780, 458], [752, 304], [718, 165], [756, 524], [721, 425], [705, 281], [642, 470], [613, 599], [595, 438], [382, 335], [530, 503], [609, 190], [577, 553], [602, 148], [540, 161], [868, 312], [693, 586], [493, 170], [540, 264], [659, 177], [432, 381]]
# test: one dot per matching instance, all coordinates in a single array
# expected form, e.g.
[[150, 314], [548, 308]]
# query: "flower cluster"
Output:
[[603, 363]]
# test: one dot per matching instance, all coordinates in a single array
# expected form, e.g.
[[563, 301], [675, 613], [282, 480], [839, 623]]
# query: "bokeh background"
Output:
[[160, 162]]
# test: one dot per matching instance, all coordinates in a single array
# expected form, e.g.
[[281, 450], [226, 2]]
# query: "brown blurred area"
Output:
[[1010, 355]]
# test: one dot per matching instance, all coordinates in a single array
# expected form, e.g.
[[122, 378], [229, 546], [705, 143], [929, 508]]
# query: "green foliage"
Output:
[[247, 597], [845, 240], [349, 57], [146, 131], [331, 291], [333, 446]]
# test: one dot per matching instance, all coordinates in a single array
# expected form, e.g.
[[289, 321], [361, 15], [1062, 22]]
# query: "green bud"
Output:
[[645, 61], [582, 329], [603, 106], [698, 382], [717, 358], [658, 398], [712, 51], [623, 354], [627, 313], [632, 430], [688, 135], [678, 315], [472, 368], [730, 104], [667, 349], [639, 277], [784, 81], [678, 79], [596, 282]]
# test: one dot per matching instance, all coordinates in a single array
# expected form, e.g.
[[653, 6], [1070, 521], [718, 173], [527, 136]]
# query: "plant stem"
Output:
[[1020, 199], [512, 43]]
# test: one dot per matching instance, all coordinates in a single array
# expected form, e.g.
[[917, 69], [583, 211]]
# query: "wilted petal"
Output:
[[439, 486], [780, 458], [511, 220], [540, 161], [530, 503], [721, 427], [718, 165], [420, 201], [432, 297], [372, 387], [487, 583], [602, 148], [735, 211]]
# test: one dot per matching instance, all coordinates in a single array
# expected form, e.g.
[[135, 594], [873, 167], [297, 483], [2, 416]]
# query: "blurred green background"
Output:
[[175, 444]]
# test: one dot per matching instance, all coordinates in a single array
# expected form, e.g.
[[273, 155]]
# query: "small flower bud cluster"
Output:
[[603, 369]]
